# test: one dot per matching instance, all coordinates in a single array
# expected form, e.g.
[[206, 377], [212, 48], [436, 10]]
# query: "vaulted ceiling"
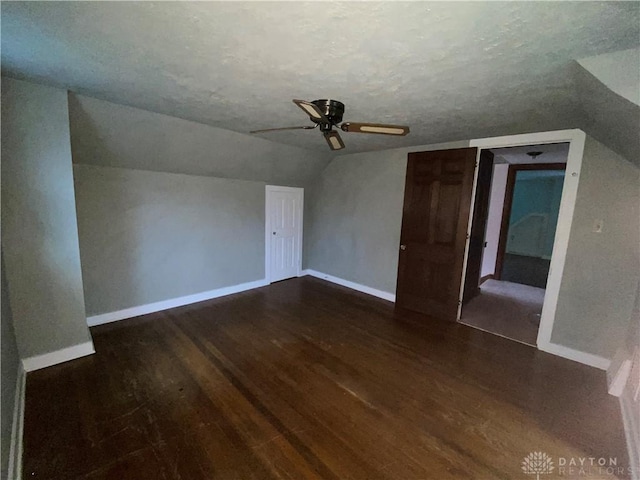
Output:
[[450, 70]]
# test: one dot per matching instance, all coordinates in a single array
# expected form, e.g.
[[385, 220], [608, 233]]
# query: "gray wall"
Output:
[[150, 236], [353, 221], [354, 214], [39, 231], [111, 135], [9, 366], [602, 269]]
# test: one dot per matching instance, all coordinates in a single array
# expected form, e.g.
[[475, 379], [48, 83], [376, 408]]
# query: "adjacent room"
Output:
[[320, 240], [519, 213]]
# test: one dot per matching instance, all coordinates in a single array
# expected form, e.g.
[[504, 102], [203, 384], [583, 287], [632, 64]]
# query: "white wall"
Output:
[[494, 218], [39, 230], [150, 236], [602, 269]]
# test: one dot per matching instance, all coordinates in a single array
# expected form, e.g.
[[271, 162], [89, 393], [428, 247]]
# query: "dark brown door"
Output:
[[478, 226], [435, 217]]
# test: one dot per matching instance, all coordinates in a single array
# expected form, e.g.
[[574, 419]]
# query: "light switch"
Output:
[[598, 224]]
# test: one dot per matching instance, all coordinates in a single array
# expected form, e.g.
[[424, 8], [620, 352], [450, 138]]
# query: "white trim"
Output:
[[576, 139], [59, 356], [631, 424], [267, 228], [538, 138], [278, 188], [575, 355], [391, 297], [172, 303], [561, 242], [619, 371], [14, 470]]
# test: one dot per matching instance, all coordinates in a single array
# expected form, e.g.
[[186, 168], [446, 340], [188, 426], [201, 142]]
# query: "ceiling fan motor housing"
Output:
[[332, 109]]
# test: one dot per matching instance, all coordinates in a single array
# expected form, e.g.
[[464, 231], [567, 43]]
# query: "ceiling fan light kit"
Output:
[[327, 114]]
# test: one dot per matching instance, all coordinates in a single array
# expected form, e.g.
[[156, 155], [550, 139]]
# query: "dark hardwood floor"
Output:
[[307, 380]]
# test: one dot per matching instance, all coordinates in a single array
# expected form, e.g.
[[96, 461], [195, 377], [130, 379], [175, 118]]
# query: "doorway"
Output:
[[283, 232], [505, 294], [444, 278]]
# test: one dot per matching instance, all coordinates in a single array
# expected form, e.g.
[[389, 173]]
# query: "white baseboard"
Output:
[[172, 303], [14, 471], [59, 356], [352, 285], [575, 355], [631, 422]]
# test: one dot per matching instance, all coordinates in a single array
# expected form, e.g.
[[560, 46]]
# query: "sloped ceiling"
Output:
[[619, 71], [111, 135], [450, 70]]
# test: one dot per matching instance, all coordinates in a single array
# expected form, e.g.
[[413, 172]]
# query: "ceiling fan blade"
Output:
[[333, 139], [379, 128], [309, 127], [312, 110]]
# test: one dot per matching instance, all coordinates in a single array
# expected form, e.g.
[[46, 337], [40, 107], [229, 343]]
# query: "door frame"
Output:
[[267, 228], [576, 139], [508, 201]]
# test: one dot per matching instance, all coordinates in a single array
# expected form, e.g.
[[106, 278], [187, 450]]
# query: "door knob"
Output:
[[403, 247]]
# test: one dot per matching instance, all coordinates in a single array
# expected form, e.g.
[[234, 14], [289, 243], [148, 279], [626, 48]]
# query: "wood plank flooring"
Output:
[[307, 380]]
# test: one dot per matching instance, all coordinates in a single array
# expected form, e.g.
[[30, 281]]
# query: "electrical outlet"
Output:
[[598, 224]]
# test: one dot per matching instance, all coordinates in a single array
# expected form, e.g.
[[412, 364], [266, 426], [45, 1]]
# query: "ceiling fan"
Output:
[[327, 114]]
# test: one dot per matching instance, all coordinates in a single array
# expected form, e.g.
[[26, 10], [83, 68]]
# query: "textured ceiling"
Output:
[[450, 70]]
